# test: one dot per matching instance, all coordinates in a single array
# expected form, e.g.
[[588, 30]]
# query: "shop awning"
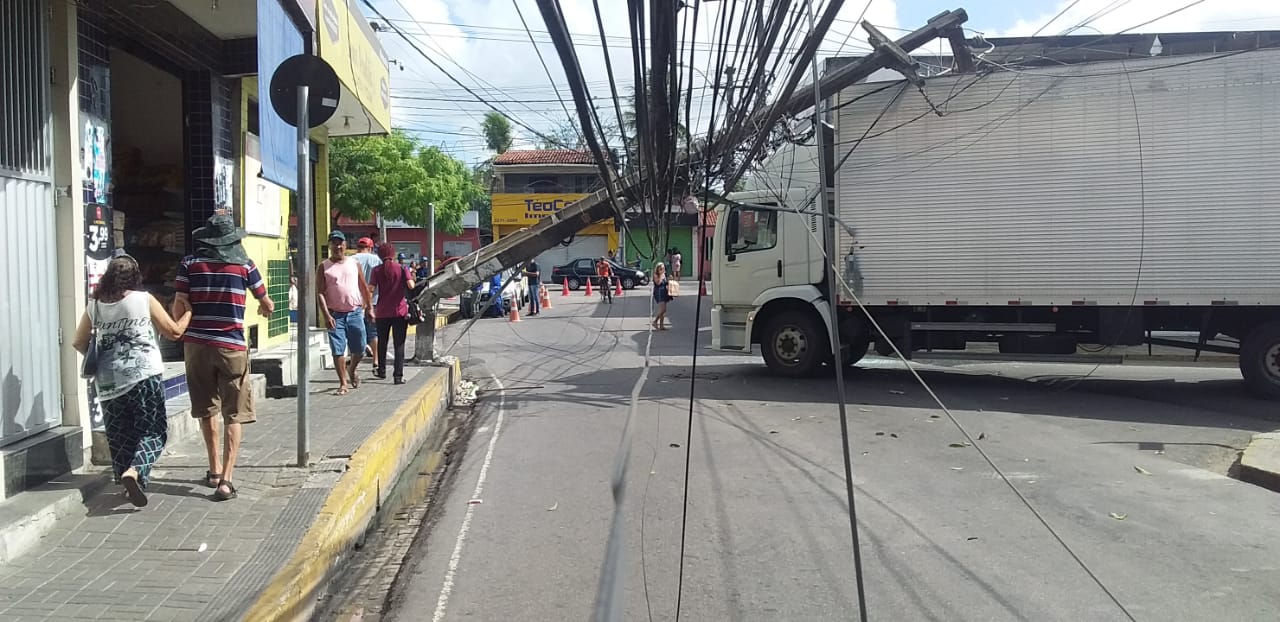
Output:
[[347, 42]]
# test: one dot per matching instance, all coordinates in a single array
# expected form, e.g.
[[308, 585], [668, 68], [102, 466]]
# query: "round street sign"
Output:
[[305, 70]]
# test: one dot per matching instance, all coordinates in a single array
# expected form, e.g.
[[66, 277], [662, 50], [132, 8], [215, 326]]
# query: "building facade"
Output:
[[136, 122], [530, 185]]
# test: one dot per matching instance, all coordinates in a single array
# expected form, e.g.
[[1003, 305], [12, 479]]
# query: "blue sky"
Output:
[[484, 45]]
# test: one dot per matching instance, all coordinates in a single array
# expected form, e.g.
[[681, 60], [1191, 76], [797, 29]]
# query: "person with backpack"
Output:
[[391, 283]]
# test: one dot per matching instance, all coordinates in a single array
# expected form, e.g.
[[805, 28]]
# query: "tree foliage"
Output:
[[397, 177], [497, 132]]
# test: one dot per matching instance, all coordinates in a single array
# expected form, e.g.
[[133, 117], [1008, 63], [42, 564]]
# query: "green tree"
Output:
[[497, 132], [396, 177]]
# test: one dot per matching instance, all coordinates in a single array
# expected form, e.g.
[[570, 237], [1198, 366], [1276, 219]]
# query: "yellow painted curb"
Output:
[[351, 505]]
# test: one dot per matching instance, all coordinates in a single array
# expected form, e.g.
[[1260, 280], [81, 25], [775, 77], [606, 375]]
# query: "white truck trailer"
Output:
[[1050, 211]]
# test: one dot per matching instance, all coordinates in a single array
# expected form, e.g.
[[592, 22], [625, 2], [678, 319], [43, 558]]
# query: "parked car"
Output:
[[578, 270]]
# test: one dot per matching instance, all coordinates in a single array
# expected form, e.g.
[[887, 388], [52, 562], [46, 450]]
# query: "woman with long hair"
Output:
[[124, 319], [392, 282], [661, 296]]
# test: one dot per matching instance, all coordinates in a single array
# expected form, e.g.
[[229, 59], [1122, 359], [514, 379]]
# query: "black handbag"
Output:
[[89, 367], [416, 316]]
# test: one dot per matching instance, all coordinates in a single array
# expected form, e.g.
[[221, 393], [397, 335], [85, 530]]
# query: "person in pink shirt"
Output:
[[392, 282], [345, 300]]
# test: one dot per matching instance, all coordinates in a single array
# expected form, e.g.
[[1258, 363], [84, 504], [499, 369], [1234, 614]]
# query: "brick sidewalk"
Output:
[[117, 562]]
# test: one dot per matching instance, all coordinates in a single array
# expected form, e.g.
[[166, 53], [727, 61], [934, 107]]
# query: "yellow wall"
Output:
[[261, 248], [267, 248]]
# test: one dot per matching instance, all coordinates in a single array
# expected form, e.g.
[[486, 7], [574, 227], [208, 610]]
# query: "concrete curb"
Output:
[[1260, 461], [353, 503]]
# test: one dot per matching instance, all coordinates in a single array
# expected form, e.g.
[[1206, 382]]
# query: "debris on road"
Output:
[[204, 546], [553, 506], [467, 391], [674, 445], [897, 392], [773, 431], [1141, 470], [1118, 516], [971, 538], [960, 445], [795, 418], [475, 502], [982, 436], [957, 468]]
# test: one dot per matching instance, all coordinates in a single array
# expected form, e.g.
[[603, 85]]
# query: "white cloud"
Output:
[[1211, 15]]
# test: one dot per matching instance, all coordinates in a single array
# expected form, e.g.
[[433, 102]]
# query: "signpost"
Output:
[[305, 93]]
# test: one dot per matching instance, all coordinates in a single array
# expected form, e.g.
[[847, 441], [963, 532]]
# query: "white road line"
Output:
[[446, 590]]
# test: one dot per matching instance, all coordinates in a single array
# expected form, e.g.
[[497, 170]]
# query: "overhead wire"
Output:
[[451, 77], [543, 62]]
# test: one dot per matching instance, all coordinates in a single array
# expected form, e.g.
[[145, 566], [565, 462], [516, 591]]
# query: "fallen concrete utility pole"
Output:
[[527, 243]]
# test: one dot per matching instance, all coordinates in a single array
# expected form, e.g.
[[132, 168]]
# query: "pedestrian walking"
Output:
[[121, 319], [391, 283], [604, 274], [368, 260], [213, 285], [676, 264], [533, 272], [661, 296], [345, 301]]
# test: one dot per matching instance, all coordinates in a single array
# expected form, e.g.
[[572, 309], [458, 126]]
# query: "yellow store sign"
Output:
[[528, 209], [351, 48]]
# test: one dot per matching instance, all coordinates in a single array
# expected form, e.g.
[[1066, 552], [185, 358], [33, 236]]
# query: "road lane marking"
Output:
[[446, 590]]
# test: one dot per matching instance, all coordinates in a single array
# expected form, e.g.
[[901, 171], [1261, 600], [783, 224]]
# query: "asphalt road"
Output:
[[522, 529]]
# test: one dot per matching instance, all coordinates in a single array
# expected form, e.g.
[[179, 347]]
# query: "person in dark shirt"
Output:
[[532, 272]]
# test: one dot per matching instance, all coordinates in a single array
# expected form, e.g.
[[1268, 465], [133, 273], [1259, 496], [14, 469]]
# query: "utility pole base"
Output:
[[424, 342]]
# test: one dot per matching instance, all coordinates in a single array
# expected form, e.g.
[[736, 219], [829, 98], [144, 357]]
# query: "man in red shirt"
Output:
[[213, 283]]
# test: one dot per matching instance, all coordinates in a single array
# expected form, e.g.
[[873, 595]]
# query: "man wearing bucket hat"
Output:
[[213, 283]]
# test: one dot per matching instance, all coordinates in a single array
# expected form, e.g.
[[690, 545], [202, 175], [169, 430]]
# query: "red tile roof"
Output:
[[545, 156]]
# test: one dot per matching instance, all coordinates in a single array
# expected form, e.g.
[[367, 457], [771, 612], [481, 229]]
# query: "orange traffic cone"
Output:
[[588, 287], [618, 290], [565, 291], [515, 313], [544, 298], [702, 288]]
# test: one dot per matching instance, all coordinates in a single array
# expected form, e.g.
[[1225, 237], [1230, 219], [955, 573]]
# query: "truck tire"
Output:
[[794, 344], [1260, 360], [855, 350]]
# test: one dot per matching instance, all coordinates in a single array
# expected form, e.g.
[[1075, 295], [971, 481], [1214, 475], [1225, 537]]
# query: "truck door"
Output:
[[753, 255]]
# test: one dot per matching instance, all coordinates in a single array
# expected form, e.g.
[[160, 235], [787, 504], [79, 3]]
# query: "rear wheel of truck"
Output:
[[794, 344], [1260, 360]]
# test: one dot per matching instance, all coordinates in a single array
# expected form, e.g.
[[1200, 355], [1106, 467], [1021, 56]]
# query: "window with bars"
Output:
[[278, 289]]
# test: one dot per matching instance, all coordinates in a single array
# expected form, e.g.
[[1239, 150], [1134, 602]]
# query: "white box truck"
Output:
[[1051, 211]]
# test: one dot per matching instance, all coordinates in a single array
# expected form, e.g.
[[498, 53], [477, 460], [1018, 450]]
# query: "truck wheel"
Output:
[[794, 344], [1260, 360], [574, 284], [855, 350]]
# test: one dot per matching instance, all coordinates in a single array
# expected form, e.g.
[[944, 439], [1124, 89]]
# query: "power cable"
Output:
[[538, 51], [834, 335], [453, 79]]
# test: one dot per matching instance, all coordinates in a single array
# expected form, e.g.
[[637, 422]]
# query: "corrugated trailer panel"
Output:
[[1156, 179]]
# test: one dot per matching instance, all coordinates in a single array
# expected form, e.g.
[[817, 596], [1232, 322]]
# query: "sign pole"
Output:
[[306, 274]]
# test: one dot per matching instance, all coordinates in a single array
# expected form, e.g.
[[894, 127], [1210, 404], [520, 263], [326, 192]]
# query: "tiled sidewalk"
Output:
[[184, 556]]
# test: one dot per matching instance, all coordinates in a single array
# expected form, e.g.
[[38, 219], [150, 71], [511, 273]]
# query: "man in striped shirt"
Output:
[[214, 283]]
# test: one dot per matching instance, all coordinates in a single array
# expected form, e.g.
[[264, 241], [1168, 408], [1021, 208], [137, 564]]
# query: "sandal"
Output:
[[212, 479], [133, 490], [218, 495]]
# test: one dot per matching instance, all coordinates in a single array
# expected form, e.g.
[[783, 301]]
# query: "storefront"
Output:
[[137, 122]]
